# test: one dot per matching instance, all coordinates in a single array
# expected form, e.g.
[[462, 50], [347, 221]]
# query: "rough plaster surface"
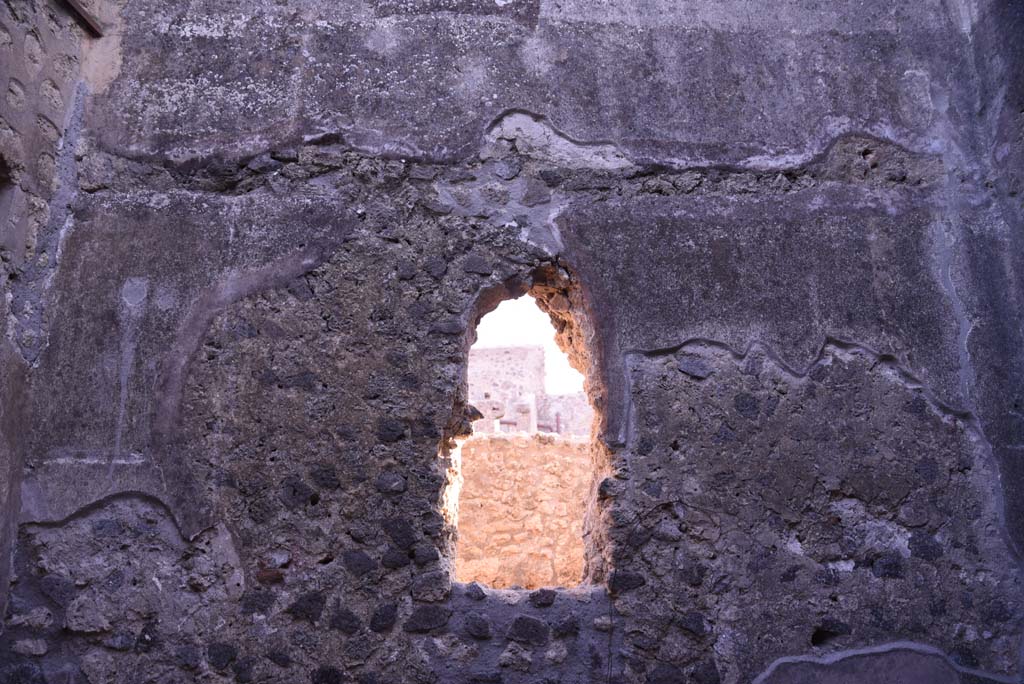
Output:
[[245, 245]]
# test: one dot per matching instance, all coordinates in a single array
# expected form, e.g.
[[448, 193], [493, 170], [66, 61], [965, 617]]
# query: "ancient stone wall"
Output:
[[39, 46], [520, 511], [783, 245], [566, 414], [506, 371], [40, 114]]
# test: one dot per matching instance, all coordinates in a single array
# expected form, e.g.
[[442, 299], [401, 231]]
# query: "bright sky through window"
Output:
[[521, 323]]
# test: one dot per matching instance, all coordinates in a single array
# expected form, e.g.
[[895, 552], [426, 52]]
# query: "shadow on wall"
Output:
[[6, 199]]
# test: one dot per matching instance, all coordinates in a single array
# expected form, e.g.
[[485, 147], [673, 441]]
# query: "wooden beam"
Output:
[[87, 15]]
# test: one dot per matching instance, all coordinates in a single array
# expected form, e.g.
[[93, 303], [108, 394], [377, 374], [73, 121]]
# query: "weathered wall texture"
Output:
[[520, 510], [246, 246], [41, 104]]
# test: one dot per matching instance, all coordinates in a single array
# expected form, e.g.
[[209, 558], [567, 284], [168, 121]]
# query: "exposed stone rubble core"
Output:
[[861, 541], [245, 246]]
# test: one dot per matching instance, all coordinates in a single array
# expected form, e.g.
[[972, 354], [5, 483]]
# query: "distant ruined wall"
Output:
[[505, 384], [510, 381], [521, 508], [507, 371], [245, 246], [566, 414]]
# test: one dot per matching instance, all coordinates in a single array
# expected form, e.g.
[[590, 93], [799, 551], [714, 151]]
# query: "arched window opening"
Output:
[[522, 481]]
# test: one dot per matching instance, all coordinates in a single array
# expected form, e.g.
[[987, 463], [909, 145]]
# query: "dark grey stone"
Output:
[[692, 622], [924, 546], [542, 598], [390, 430], [358, 562], [478, 265], [384, 617], [622, 581], [695, 367], [344, 621], [257, 601], [327, 674], [529, 630], [888, 565], [664, 673], [187, 657], [475, 592], [395, 558], [425, 553], [747, 406], [566, 627], [427, 618], [279, 658], [220, 655], [390, 483], [308, 606], [325, 477], [478, 626], [401, 532], [295, 493]]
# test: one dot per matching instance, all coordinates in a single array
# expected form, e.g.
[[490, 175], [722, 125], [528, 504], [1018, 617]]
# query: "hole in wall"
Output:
[[520, 486], [821, 636], [829, 631]]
